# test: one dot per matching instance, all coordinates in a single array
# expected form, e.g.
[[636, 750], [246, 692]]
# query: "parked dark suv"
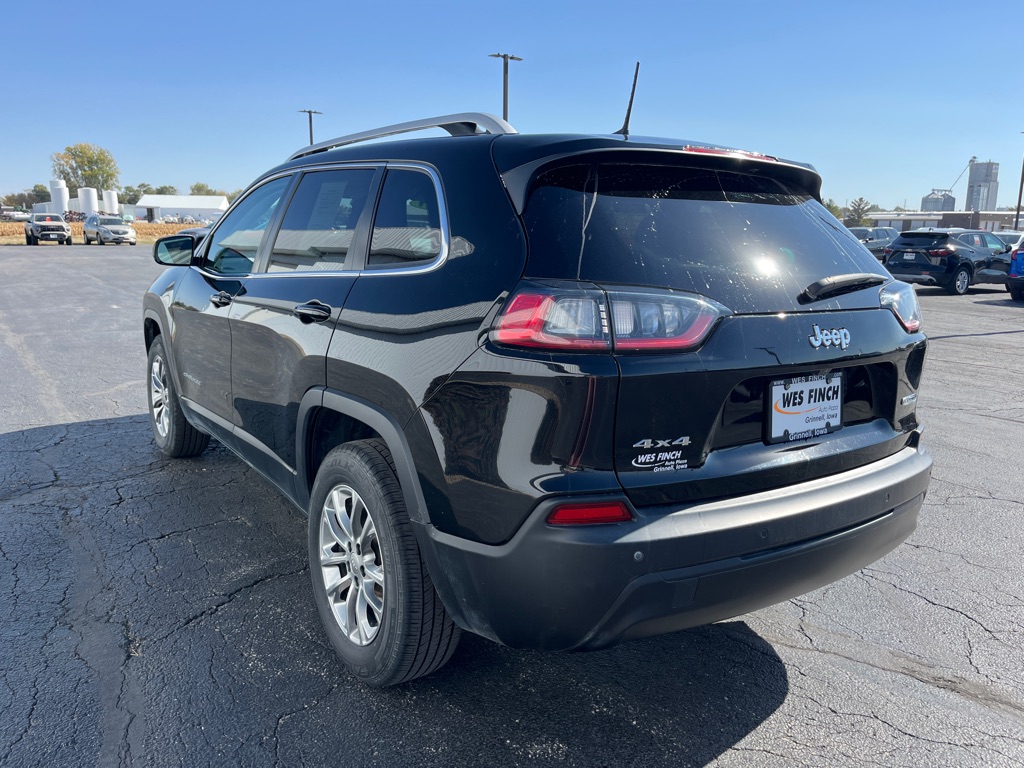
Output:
[[876, 239], [954, 259], [559, 391]]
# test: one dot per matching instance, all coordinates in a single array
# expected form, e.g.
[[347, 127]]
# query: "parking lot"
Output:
[[159, 613]]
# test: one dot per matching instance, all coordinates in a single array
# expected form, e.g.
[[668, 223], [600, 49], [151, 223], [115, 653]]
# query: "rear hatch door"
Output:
[[735, 414]]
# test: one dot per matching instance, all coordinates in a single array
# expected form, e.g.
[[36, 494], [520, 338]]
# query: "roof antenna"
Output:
[[624, 130]]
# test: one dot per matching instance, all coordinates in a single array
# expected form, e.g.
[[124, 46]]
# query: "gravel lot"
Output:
[[159, 613]]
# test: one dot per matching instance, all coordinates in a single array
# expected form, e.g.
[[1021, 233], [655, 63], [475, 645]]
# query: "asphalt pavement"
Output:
[[158, 612]]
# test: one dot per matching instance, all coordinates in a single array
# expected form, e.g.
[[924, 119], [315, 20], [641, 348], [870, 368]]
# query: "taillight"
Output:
[[573, 319], [590, 513], [901, 299], [579, 319], [661, 321], [1013, 254], [940, 252]]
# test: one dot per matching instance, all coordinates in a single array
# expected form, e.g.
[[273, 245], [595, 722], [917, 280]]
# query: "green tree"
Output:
[[167, 189], [233, 195], [856, 213], [38, 194], [199, 188], [131, 195], [85, 165], [834, 209]]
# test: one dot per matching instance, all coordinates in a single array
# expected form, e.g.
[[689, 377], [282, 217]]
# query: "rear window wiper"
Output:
[[839, 284]]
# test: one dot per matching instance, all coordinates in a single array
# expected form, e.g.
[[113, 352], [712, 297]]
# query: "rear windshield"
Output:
[[749, 242], [920, 240]]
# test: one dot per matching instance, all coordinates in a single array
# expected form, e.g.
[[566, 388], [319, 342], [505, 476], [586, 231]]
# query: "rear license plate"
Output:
[[804, 407], [909, 256]]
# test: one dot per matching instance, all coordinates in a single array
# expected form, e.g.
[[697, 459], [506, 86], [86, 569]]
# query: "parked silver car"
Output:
[[103, 229]]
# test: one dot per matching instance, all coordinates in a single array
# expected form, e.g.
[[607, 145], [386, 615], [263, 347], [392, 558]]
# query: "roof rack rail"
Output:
[[461, 124]]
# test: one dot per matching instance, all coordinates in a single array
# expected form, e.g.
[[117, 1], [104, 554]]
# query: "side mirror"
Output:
[[174, 251]]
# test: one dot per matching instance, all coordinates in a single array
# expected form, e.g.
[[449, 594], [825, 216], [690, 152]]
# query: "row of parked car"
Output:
[[97, 228], [952, 258]]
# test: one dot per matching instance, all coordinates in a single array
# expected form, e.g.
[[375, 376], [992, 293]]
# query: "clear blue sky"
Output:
[[886, 99]]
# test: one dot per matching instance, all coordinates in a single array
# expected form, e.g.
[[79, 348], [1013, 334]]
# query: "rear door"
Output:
[[998, 264], [282, 323]]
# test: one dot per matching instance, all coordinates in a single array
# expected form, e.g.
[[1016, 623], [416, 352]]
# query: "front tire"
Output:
[[173, 434], [961, 281], [375, 598], [68, 241]]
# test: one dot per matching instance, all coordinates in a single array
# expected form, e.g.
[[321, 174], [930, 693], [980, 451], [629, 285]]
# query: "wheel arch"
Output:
[[328, 418]]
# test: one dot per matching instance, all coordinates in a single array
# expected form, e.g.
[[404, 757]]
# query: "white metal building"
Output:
[[199, 207]]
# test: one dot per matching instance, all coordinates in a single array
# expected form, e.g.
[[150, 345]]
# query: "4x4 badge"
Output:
[[830, 337]]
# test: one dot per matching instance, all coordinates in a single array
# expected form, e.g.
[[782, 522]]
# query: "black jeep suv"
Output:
[[560, 391]]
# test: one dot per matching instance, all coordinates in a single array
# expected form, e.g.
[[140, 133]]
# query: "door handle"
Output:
[[312, 312], [221, 299]]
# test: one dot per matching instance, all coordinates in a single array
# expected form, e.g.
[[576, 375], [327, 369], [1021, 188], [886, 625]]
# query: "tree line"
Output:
[[88, 165]]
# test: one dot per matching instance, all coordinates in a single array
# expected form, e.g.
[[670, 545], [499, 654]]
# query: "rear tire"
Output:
[[961, 281], [375, 598], [1016, 292], [172, 432]]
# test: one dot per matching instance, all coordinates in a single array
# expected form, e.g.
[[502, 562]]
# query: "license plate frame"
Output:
[[804, 407]]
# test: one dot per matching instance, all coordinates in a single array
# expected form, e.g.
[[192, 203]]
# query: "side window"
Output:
[[233, 246], [321, 220], [994, 244], [407, 224]]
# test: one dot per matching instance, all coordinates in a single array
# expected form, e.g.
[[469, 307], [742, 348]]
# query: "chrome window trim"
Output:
[[205, 245], [442, 215], [442, 219]]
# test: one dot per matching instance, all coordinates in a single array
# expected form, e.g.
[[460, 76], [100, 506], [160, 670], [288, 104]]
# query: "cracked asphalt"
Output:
[[157, 612]]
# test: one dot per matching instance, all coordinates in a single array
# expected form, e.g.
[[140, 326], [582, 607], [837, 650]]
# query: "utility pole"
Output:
[[311, 112], [506, 58], [1020, 189]]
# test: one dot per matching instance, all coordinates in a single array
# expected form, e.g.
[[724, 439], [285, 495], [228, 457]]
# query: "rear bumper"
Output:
[[920, 279], [587, 587]]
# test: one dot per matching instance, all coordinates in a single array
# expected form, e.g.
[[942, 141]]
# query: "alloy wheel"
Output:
[[158, 397], [962, 281], [352, 565]]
